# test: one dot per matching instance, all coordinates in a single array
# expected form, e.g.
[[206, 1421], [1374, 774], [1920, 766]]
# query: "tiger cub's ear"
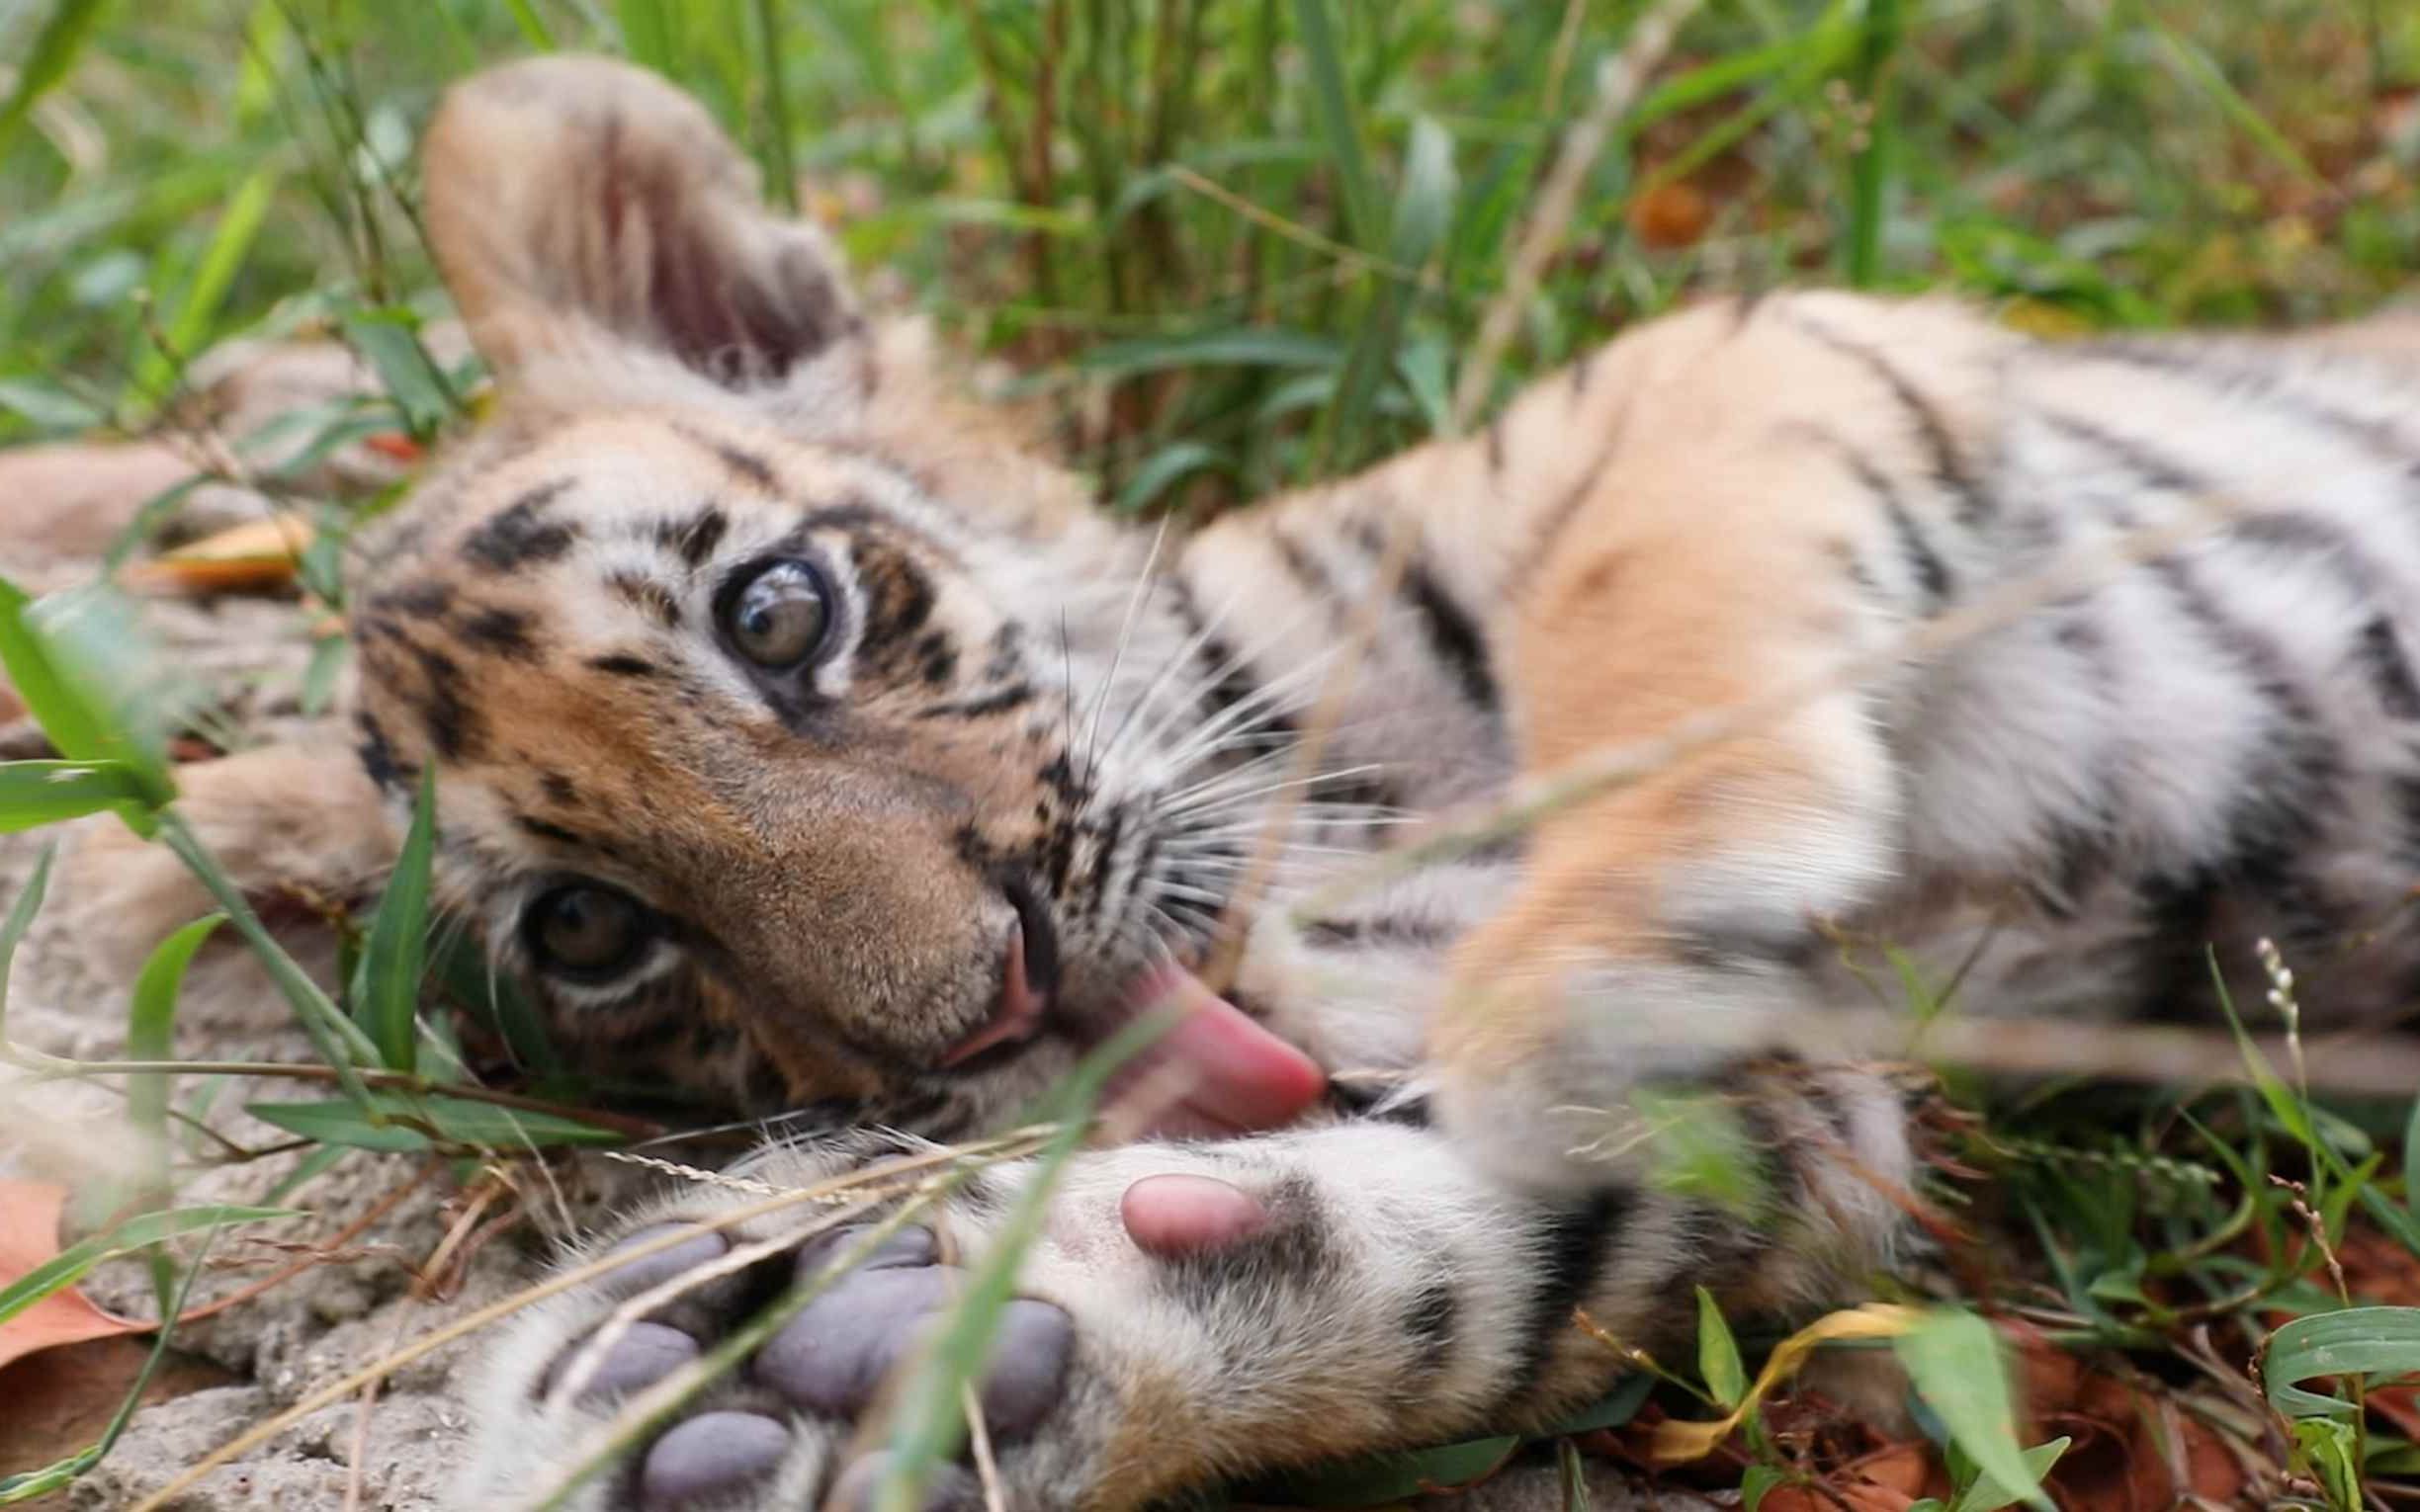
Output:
[[584, 208]]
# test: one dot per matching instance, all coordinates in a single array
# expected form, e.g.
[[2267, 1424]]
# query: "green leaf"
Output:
[[1423, 209], [50, 407], [2355, 1341], [196, 312], [453, 1120], [70, 1265], [1245, 346], [319, 678], [38, 792], [1719, 1356], [67, 656], [650, 35], [1375, 1481], [1756, 1480], [387, 1001], [1953, 1359], [1176, 460], [389, 340], [152, 1022], [1422, 363], [1616, 1407], [1870, 163], [63, 35], [1987, 1494], [533, 27], [1699, 1147], [21, 918], [2327, 1450], [2411, 1159], [2198, 69], [1576, 1496], [1332, 98]]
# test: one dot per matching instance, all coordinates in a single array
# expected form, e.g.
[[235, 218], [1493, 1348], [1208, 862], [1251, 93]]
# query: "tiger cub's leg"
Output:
[[1191, 1312], [1793, 491]]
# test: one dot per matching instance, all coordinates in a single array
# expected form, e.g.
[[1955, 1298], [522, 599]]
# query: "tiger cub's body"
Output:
[[785, 882]]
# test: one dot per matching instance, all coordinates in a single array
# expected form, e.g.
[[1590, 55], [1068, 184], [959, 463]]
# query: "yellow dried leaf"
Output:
[[261, 554], [1675, 1442]]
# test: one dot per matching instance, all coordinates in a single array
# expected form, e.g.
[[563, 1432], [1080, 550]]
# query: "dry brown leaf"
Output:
[[28, 1237], [258, 556], [1671, 216]]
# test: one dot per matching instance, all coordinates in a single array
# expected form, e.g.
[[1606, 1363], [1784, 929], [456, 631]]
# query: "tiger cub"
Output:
[[809, 744]]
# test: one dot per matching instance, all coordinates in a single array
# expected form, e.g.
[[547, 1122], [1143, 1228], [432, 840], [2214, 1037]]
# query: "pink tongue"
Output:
[[1232, 1073]]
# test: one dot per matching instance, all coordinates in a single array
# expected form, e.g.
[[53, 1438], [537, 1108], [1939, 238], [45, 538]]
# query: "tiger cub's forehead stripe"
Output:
[[694, 539], [742, 462], [527, 532]]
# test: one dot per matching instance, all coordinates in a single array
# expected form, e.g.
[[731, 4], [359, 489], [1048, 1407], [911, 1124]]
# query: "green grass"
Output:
[[1060, 180], [1233, 245]]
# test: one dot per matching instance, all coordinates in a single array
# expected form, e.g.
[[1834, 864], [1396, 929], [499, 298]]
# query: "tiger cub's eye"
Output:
[[586, 931], [779, 617]]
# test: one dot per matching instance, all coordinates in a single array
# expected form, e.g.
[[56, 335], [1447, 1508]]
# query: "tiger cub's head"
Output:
[[792, 728]]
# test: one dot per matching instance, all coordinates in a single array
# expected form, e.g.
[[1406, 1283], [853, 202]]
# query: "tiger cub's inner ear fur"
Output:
[[585, 209]]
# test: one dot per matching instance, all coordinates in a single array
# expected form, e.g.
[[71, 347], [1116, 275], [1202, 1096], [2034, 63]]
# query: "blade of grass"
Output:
[[151, 1026], [2195, 67], [55, 47], [1871, 167], [931, 1420], [781, 162], [2355, 1341], [63, 705], [1424, 213], [389, 340], [1618, 83], [410, 1122], [1332, 98], [197, 313], [70, 1265], [19, 919], [533, 27], [338, 1040], [387, 998], [56, 1475], [1719, 1356], [1954, 1360], [38, 792], [649, 34]]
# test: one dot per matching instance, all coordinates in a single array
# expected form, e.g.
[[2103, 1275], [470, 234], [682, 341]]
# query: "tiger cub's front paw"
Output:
[[780, 1430]]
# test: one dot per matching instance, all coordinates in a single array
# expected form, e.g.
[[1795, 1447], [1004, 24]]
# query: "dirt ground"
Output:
[[397, 1247]]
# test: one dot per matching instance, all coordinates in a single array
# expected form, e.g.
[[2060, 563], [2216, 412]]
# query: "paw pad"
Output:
[[830, 1363], [710, 1457], [656, 1269], [950, 1488], [644, 1354], [839, 1350]]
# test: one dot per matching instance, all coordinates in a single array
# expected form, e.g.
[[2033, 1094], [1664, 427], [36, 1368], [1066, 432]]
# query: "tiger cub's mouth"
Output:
[[1214, 1070]]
